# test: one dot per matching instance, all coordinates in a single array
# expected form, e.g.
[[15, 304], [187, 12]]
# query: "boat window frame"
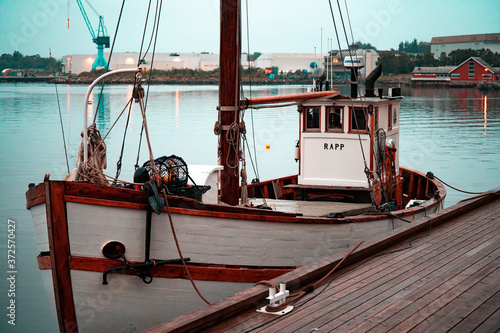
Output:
[[327, 120], [351, 123], [305, 112]]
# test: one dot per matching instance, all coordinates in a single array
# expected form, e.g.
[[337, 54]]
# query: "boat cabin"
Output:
[[339, 136]]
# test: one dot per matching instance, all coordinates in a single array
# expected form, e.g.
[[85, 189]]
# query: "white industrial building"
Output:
[[78, 63], [334, 63], [476, 42], [286, 62]]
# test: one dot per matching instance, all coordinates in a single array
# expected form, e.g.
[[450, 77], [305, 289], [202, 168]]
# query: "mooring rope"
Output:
[[308, 289], [456, 189]]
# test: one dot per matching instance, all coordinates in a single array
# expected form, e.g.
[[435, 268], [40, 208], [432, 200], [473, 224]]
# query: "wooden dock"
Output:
[[438, 274]]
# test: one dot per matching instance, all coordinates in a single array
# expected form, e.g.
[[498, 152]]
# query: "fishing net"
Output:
[[172, 170], [174, 175]]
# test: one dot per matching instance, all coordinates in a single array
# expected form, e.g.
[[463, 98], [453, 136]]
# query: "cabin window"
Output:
[[455, 76], [312, 118], [376, 119], [389, 120], [486, 76], [334, 119], [358, 121]]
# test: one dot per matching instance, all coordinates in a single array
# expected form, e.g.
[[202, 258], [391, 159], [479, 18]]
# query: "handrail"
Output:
[[85, 108]]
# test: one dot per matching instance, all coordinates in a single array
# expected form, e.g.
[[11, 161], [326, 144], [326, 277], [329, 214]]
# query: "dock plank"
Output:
[[401, 307], [490, 324], [480, 315]]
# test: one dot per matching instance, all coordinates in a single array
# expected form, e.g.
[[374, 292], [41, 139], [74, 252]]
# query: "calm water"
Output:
[[454, 133]]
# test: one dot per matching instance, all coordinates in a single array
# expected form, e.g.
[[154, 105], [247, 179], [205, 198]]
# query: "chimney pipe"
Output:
[[354, 83], [370, 81]]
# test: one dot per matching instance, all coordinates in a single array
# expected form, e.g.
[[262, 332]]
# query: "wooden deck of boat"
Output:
[[441, 273], [314, 208]]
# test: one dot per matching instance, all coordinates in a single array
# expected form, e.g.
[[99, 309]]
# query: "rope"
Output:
[[139, 60], [456, 189], [349, 20], [145, 124], [60, 118], [311, 288], [95, 170], [155, 32], [86, 166], [179, 249], [232, 136], [119, 162], [155, 171]]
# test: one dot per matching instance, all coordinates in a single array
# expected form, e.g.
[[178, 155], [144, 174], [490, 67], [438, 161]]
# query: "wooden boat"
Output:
[[115, 265]]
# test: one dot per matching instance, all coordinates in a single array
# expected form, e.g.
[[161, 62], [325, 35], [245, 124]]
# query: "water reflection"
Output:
[[103, 114], [485, 112], [454, 132], [176, 99]]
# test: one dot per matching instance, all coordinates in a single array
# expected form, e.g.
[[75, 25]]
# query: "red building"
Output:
[[440, 73], [474, 69]]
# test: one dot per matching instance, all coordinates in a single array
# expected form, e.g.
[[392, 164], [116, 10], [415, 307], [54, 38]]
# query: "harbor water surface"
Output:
[[452, 132]]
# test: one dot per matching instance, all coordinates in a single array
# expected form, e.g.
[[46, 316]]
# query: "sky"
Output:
[[291, 26]]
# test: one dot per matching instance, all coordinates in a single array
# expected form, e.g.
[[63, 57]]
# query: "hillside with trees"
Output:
[[17, 61]]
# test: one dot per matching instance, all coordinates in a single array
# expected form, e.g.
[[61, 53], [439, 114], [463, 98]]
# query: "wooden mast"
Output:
[[229, 99]]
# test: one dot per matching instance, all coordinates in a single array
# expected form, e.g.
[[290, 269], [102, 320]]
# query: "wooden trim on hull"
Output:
[[131, 199], [57, 227], [218, 273]]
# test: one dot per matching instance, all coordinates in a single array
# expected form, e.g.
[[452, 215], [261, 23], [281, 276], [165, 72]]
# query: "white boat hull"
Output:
[[129, 304]]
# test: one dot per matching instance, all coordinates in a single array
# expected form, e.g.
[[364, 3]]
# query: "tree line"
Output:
[[18, 61]]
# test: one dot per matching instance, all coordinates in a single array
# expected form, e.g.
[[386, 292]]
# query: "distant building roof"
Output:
[[433, 70], [482, 63], [491, 38], [345, 53]]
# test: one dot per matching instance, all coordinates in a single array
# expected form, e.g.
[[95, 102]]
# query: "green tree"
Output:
[[444, 60], [429, 59], [365, 46], [254, 55], [396, 62], [459, 56], [414, 46]]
